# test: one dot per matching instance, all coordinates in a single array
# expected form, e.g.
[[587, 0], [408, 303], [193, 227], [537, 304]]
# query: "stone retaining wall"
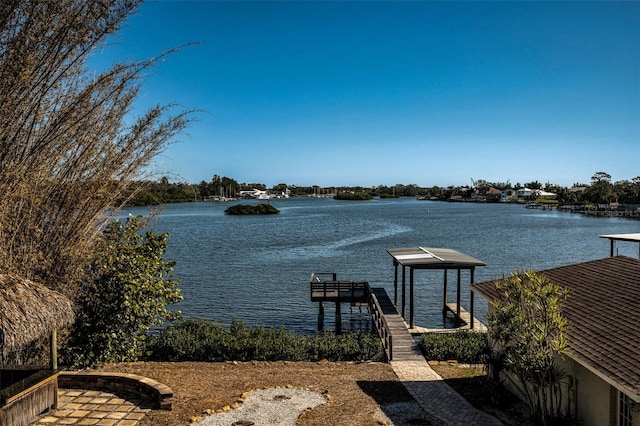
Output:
[[161, 396]]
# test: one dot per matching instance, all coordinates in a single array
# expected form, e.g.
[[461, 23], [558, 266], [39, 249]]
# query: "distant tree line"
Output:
[[600, 190]]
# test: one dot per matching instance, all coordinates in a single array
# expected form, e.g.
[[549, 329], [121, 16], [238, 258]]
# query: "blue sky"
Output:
[[379, 93]]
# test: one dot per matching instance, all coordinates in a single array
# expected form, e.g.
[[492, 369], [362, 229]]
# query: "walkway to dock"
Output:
[[444, 405]]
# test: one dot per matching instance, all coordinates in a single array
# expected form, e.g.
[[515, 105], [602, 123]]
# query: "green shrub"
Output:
[[199, 340], [132, 287], [355, 346], [463, 345]]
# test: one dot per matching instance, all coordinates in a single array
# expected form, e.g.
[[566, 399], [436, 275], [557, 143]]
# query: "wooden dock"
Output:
[[397, 338], [325, 287], [465, 318], [398, 342], [340, 291]]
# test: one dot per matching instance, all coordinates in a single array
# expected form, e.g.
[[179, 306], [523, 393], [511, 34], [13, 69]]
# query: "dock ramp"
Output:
[[399, 344]]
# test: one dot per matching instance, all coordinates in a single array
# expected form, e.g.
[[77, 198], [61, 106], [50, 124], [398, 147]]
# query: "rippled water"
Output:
[[257, 268]]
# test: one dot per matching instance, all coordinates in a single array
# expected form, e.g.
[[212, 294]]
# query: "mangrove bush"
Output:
[[247, 209], [200, 340], [463, 345]]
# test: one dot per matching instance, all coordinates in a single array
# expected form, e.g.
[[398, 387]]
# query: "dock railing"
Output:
[[325, 287], [380, 322]]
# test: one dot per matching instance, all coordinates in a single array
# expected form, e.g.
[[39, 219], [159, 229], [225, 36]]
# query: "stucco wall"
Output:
[[595, 405]]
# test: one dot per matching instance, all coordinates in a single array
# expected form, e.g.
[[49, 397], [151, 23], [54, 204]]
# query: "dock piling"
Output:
[[320, 316]]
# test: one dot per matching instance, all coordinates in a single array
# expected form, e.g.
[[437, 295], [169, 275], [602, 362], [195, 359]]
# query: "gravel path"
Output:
[[282, 407], [273, 406]]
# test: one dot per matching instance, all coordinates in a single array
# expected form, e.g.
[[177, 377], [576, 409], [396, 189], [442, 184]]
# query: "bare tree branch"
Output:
[[68, 158]]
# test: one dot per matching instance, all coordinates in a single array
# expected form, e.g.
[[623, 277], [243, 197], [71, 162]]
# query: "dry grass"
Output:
[[355, 390]]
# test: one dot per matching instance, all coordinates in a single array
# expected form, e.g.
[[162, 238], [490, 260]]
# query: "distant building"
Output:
[[525, 193], [493, 195], [528, 194], [508, 195], [546, 195]]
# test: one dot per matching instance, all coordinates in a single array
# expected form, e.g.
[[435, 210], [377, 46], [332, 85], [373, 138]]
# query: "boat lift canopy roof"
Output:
[[430, 258], [433, 258], [622, 237]]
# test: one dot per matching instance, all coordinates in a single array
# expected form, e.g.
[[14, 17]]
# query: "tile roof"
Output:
[[604, 314]]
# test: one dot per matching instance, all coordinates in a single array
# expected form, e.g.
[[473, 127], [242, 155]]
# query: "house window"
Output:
[[624, 411]]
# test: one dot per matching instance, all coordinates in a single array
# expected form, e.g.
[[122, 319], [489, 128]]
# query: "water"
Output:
[[257, 268]]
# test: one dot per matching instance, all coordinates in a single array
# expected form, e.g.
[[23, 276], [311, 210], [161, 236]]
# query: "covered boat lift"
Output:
[[622, 237], [431, 258]]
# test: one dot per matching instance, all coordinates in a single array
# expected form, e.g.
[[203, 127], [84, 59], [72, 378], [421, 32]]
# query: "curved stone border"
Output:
[[161, 396]]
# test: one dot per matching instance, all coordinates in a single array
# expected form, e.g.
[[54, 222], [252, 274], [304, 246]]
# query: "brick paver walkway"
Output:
[[440, 402], [88, 407], [444, 405]]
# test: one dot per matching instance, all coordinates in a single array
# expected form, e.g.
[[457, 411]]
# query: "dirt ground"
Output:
[[354, 390]]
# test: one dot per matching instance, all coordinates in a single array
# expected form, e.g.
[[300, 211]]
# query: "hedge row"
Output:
[[199, 340], [463, 346]]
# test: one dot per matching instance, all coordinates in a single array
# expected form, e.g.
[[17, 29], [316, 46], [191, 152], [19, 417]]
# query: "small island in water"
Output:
[[245, 209], [357, 196]]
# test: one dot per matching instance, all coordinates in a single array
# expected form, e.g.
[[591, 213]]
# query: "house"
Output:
[[525, 193], [546, 195], [493, 195], [528, 194], [508, 195], [603, 340]]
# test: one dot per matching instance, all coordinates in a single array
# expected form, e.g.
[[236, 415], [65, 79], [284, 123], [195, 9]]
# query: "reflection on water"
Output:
[[256, 268]]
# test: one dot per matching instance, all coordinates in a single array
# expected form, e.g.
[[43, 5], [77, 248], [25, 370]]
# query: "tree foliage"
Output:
[[357, 196], [250, 209], [69, 147], [132, 287], [163, 192], [219, 186], [526, 334]]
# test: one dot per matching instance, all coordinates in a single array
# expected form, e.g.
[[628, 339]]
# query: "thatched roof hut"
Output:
[[29, 311]]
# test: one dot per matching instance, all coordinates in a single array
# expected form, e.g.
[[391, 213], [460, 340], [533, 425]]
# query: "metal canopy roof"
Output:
[[433, 258], [623, 237], [635, 238]]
